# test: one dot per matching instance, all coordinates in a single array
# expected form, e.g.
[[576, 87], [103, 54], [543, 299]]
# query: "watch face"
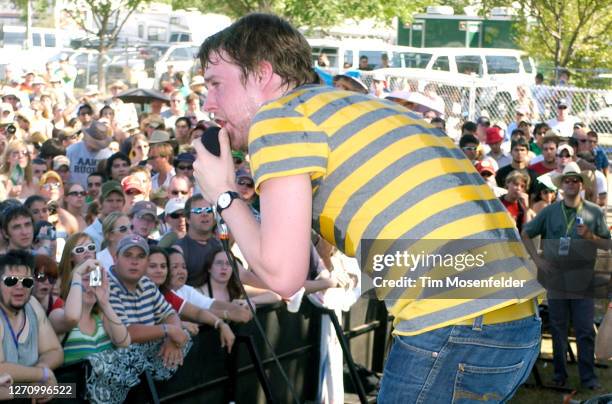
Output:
[[224, 200]]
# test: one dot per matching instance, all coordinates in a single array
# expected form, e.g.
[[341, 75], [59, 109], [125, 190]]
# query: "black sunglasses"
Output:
[[11, 281], [176, 215], [77, 193], [187, 167], [245, 183], [45, 277]]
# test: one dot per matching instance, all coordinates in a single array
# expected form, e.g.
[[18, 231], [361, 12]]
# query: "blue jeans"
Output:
[[461, 364], [581, 312]]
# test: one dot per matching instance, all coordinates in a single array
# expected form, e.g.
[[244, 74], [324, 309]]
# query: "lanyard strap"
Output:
[[15, 338], [569, 223]]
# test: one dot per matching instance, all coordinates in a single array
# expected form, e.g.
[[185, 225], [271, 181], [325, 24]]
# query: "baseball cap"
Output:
[[567, 148], [60, 161], [111, 186], [493, 135], [485, 166], [173, 205], [132, 182], [243, 174], [562, 103], [48, 175], [185, 157], [159, 136], [522, 110], [483, 120], [133, 240], [143, 208]]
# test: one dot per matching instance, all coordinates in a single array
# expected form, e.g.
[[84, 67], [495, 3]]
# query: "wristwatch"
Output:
[[225, 200]]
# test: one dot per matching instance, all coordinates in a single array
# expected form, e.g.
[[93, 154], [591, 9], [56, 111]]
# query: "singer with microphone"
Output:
[[354, 168]]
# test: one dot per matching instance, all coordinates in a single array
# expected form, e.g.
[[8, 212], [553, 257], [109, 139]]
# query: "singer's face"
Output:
[[232, 99]]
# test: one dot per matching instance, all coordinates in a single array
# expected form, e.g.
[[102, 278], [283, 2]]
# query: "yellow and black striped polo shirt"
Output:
[[379, 172]]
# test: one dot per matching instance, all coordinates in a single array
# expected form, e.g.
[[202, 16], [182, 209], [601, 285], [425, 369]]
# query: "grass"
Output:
[[534, 395]]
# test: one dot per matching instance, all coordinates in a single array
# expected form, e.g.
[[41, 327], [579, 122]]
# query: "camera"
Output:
[[95, 277], [48, 234], [579, 221], [11, 129]]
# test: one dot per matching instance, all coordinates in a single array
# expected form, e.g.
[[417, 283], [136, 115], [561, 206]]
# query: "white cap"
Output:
[[173, 205]]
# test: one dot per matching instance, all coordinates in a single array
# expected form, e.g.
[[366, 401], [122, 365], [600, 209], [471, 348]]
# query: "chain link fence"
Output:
[[467, 99]]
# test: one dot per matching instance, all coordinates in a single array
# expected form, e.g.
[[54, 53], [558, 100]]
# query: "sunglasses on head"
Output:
[[11, 281], [199, 211], [177, 215], [81, 249], [44, 277]]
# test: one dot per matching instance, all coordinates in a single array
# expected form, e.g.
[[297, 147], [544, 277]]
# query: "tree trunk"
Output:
[[101, 73]]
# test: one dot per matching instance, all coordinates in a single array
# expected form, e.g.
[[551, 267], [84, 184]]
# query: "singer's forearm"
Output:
[[278, 249]]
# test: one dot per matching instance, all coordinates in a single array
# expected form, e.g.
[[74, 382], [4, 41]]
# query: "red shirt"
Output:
[[58, 303], [540, 168], [175, 300]]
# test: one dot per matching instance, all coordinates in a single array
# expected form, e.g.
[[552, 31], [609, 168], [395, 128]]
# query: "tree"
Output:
[[311, 13], [108, 18], [573, 34]]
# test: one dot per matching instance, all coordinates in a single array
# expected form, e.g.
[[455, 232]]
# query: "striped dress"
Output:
[[378, 172], [79, 345]]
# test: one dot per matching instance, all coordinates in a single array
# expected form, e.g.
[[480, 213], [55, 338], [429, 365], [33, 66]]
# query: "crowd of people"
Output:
[[89, 184]]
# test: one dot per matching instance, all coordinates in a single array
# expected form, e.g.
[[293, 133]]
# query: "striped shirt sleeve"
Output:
[[114, 299], [283, 142]]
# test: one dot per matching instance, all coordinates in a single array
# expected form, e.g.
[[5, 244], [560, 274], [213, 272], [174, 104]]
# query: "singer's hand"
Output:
[[215, 175]]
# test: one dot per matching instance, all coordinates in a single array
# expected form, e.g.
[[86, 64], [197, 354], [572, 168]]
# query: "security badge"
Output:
[[564, 246]]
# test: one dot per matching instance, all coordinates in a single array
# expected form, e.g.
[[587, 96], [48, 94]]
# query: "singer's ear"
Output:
[[264, 73]]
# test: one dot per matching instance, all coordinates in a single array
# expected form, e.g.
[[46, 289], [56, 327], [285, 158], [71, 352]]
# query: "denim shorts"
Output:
[[461, 364]]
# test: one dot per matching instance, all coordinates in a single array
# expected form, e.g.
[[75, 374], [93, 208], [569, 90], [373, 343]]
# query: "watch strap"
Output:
[[233, 195]]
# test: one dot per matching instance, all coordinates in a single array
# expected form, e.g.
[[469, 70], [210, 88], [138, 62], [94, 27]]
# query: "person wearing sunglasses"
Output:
[[246, 188], [174, 221], [572, 230], [200, 237], [45, 277], [74, 204], [180, 187], [31, 351], [469, 145], [51, 186], [78, 259], [133, 189], [115, 226]]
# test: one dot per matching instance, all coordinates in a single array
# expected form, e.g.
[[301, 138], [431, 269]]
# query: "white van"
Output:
[[345, 54], [507, 65]]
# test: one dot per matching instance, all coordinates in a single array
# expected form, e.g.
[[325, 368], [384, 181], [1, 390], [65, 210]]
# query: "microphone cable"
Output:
[[224, 237]]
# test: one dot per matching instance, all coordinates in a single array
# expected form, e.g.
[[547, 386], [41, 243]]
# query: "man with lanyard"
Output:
[[30, 348], [356, 168], [572, 230]]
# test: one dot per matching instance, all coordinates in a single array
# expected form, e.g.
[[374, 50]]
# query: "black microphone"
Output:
[[210, 140]]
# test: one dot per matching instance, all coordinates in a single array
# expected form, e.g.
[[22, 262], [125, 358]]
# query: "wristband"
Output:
[[165, 328], [77, 283], [45, 377], [217, 323]]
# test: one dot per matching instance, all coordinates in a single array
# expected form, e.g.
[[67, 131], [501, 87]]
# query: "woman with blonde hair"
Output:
[[16, 171], [115, 226]]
